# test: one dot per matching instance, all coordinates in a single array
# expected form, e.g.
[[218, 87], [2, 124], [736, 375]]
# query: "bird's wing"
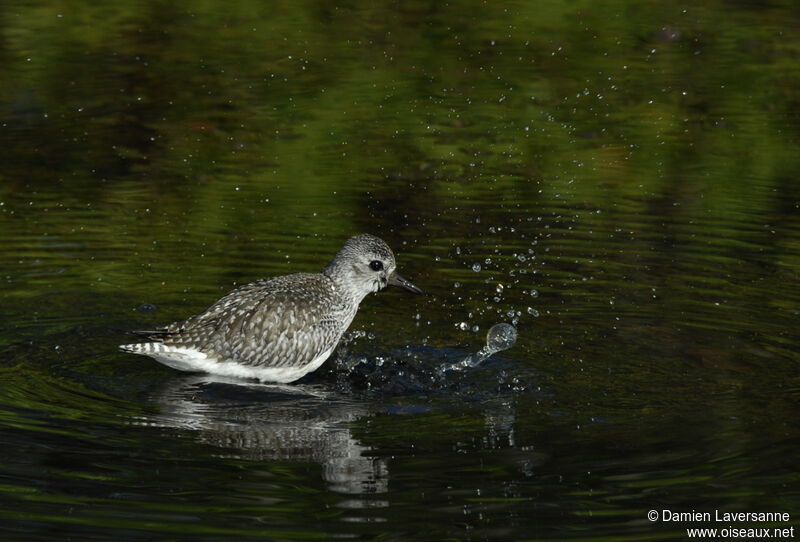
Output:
[[266, 323]]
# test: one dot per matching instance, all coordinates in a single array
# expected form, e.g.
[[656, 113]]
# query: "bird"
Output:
[[281, 328]]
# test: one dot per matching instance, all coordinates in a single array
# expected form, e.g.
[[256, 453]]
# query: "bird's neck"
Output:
[[345, 284]]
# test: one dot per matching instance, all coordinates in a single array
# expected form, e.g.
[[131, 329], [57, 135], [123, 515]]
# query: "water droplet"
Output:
[[146, 308], [533, 312], [476, 267], [501, 337], [463, 326]]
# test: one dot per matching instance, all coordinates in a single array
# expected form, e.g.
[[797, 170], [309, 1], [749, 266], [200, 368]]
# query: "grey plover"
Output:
[[281, 328]]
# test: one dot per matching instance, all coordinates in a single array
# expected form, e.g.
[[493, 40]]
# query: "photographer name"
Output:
[[669, 515]]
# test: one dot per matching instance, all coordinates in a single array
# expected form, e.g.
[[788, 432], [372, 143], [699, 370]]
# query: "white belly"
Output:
[[191, 360]]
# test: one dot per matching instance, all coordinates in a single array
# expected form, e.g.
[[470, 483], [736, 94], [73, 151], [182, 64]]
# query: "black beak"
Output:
[[397, 280]]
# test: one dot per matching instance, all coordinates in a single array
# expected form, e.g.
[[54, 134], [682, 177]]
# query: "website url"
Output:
[[735, 532]]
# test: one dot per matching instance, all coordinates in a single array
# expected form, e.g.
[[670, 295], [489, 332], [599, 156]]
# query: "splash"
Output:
[[425, 370], [499, 337]]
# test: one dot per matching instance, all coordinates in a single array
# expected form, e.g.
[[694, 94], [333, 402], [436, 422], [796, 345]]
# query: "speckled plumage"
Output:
[[278, 329]]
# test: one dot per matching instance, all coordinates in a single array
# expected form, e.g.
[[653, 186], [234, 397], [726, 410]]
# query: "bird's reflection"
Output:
[[275, 422]]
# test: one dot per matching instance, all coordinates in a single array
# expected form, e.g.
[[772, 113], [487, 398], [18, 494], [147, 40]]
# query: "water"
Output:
[[500, 337], [616, 181]]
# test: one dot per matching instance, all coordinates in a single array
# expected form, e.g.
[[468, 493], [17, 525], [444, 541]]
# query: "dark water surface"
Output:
[[619, 180]]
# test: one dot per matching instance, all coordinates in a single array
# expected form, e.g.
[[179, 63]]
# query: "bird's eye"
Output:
[[376, 265]]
